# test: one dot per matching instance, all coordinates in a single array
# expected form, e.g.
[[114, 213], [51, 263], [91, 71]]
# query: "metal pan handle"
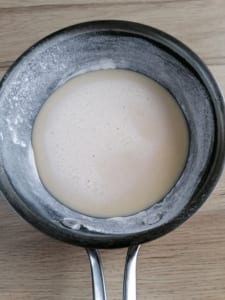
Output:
[[129, 283], [98, 282]]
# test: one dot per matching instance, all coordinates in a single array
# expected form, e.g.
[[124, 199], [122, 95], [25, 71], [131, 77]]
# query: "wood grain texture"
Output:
[[189, 263], [31, 3]]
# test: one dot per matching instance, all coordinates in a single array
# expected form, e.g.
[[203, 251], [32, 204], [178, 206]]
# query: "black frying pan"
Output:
[[106, 45]]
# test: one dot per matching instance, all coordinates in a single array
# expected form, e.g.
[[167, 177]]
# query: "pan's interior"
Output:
[[50, 64]]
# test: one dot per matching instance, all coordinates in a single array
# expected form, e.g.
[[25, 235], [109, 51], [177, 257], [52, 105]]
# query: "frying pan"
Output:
[[91, 46]]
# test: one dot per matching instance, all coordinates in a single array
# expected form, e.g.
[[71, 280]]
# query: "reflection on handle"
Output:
[[129, 283], [98, 284]]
